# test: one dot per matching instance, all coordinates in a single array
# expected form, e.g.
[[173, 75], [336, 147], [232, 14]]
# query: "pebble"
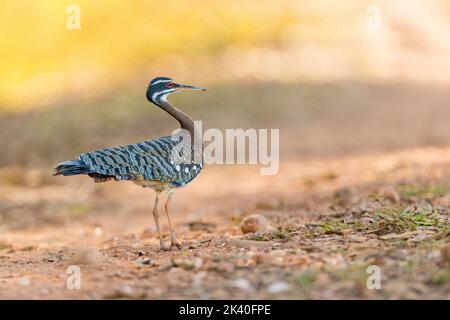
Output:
[[146, 262], [255, 223], [243, 284], [278, 287], [124, 291], [53, 258], [89, 256]]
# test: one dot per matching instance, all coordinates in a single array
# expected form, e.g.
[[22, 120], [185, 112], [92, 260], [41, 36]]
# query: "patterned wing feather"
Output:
[[147, 160]]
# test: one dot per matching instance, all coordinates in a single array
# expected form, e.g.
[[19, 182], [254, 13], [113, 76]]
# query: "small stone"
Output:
[[24, 281], [52, 258], [146, 262], [255, 223], [278, 287], [425, 207], [434, 255], [125, 291], [198, 263], [243, 284], [89, 256]]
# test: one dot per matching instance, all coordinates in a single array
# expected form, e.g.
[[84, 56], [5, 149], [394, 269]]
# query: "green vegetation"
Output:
[[391, 219], [408, 191], [306, 279], [406, 219], [334, 227]]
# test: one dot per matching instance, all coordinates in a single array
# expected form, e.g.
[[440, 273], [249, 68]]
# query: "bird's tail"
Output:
[[71, 168]]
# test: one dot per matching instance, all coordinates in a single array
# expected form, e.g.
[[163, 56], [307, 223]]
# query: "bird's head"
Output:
[[160, 87]]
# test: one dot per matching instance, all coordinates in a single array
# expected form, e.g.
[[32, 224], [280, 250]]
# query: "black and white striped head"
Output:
[[160, 87]]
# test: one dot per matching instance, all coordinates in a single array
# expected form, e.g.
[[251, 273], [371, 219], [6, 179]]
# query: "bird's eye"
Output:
[[169, 84]]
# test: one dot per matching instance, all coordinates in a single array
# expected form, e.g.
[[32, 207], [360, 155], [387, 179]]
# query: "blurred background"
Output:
[[337, 78], [360, 91]]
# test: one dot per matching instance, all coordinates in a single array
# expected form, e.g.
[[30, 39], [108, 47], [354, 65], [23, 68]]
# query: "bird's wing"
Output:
[[147, 160]]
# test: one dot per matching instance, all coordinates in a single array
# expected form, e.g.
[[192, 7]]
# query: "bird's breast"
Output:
[[153, 184]]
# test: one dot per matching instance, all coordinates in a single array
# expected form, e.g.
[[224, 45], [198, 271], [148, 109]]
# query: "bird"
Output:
[[163, 164]]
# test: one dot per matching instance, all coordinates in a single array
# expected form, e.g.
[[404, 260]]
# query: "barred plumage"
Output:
[[147, 160], [162, 164]]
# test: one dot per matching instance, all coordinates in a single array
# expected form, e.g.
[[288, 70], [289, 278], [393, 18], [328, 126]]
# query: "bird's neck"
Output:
[[185, 121]]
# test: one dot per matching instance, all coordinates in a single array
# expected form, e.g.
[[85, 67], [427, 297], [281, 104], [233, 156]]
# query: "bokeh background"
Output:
[[360, 91], [337, 78]]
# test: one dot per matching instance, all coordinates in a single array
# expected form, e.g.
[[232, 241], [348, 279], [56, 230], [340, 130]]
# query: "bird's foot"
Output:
[[164, 247], [175, 243]]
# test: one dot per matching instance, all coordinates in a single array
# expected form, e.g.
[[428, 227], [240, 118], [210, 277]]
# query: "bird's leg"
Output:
[[156, 216], [173, 239]]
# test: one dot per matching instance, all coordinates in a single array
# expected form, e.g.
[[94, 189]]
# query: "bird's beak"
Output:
[[185, 87]]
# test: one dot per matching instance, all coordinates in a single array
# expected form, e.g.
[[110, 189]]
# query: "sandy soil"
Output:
[[333, 219]]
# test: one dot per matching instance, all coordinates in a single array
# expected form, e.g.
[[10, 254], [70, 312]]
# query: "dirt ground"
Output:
[[333, 219]]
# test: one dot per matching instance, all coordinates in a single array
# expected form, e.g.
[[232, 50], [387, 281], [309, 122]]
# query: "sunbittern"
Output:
[[149, 163]]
